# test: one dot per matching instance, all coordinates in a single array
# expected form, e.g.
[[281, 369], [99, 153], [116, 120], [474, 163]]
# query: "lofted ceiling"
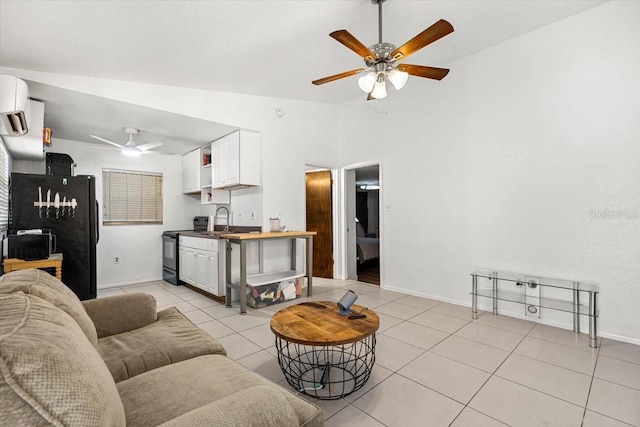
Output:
[[263, 48]]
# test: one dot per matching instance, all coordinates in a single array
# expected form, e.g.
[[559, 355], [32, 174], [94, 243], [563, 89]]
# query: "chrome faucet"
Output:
[[226, 228]]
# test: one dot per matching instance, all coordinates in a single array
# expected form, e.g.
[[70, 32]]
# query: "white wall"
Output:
[[139, 247], [499, 165], [307, 133], [503, 162]]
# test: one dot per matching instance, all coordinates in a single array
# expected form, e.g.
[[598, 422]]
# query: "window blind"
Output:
[[4, 187], [131, 197]]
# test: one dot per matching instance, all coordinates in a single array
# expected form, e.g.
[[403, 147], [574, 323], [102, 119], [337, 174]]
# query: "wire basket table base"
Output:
[[327, 372]]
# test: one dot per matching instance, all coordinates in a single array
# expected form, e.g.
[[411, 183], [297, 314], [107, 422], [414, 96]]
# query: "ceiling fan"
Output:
[[382, 59], [130, 148]]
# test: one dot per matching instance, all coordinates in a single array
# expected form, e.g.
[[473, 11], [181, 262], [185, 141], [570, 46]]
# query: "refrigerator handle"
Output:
[[97, 222]]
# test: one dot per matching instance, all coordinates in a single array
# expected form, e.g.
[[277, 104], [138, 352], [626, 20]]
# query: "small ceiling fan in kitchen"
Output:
[[382, 59], [130, 148]]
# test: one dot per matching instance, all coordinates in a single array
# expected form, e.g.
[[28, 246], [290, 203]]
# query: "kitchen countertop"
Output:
[[267, 235], [202, 234], [247, 235], [219, 233]]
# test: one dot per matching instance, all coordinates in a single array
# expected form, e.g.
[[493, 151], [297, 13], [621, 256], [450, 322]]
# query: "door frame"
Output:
[[344, 193], [335, 209]]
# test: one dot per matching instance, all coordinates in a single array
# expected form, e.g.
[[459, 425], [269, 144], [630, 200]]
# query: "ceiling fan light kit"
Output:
[[398, 78], [379, 89], [367, 81], [382, 59], [130, 149]]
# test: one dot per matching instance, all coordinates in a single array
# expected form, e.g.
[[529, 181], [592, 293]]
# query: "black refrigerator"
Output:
[[72, 216]]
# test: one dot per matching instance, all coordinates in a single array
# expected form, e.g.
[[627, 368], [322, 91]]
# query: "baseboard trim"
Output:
[[129, 282], [561, 325]]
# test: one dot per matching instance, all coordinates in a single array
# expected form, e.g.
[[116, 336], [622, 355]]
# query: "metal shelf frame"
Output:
[[574, 306], [270, 277]]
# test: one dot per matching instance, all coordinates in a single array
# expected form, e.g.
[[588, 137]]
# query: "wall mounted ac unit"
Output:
[[29, 146], [14, 106]]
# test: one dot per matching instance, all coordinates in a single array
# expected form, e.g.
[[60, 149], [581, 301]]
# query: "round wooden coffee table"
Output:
[[321, 353]]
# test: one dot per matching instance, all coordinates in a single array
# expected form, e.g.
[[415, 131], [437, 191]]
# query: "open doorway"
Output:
[[319, 218], [368, 224], [362, 191]]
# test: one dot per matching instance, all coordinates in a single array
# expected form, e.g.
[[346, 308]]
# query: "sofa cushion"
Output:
[[49, 372], [121, 313], [170, 339], [45, 286], [165, 393], [256, 406]]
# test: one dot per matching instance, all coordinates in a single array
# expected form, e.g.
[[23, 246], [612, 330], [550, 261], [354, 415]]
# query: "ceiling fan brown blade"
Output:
[[337, 76], [423, 71], [428, 36], [369, 97], [347, 39]]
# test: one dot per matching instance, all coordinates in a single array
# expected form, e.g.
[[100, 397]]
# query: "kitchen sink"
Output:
[[233, 230]]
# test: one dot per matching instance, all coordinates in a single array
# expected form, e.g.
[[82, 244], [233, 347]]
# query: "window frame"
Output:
[[159, 201], [5, 172]]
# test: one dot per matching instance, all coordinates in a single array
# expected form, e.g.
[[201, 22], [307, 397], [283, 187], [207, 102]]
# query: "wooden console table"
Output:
[[14, 264]]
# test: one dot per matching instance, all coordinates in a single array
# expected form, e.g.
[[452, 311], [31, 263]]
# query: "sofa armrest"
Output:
[[253, 406], [121, 313]]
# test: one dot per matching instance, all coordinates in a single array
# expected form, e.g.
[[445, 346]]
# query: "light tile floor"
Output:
[[437, 367]]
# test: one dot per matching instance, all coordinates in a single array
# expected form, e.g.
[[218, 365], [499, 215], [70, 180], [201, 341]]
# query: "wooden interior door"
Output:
[[319, 219]]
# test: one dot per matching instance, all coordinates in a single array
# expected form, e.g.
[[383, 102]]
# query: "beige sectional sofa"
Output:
[[115, 362]]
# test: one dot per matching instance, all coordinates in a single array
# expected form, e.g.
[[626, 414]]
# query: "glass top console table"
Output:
[[526, 290]]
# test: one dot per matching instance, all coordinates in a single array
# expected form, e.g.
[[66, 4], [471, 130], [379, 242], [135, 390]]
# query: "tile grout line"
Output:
[[551, 364], [593, 374], [396, 371], [489, 378], [617, 358]]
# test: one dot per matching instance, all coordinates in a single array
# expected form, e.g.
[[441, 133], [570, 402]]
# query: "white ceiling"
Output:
[[74, 116], [265, 48]]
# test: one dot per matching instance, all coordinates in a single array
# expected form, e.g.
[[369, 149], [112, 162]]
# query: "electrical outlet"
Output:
[[240, 215], [116, 260]]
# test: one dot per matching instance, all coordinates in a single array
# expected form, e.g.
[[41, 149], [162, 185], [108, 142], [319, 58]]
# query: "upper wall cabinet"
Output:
[[208, 194], [236, 160], [196, 177], [191, 172]]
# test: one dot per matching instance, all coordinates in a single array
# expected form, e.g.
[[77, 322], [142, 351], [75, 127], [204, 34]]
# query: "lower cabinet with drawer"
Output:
[[200, 264]]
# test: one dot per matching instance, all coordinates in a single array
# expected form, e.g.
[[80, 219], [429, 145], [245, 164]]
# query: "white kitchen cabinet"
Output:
[[181, 267], [191, 172], [236, 160], [218, 153], [199, 263], [189, 265], [213, 269], [201, 279]]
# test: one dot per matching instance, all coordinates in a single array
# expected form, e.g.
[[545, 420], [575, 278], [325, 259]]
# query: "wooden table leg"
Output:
[[59, 271]]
